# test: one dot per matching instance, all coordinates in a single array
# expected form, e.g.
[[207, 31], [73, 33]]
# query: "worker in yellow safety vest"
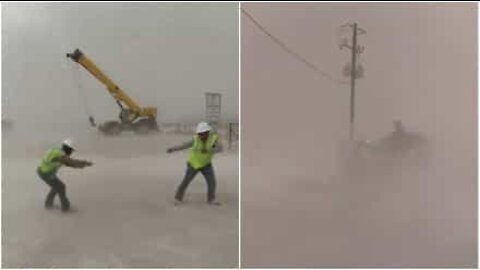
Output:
[[48, 168], [203, 146]]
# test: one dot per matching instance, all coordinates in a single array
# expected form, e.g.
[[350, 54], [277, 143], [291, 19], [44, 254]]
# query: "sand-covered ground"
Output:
[[123, 213]]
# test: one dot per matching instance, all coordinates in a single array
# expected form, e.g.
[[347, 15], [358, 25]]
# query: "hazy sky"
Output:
[[164, 55]]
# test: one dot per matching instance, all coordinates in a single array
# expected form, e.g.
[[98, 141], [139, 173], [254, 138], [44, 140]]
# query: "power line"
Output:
[[280, 43]]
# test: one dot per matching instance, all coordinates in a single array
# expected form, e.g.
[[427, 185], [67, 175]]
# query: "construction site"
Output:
[[126, 82]]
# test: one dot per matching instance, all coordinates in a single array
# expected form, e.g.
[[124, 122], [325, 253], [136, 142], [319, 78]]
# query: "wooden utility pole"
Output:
[[352, 81], [354, 71]]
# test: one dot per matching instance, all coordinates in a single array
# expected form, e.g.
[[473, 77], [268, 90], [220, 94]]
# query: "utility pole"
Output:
[[354, 72], [352, 81]]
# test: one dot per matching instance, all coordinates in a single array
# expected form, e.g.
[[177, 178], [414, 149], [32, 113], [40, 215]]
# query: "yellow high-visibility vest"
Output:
[[48, 164], [201, 152]]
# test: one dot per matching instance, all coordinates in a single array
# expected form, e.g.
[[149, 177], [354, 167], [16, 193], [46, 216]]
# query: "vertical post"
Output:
[[352, 81], [213, 108], [230, 135]]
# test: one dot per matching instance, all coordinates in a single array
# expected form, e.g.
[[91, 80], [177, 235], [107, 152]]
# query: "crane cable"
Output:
[[82, 94]]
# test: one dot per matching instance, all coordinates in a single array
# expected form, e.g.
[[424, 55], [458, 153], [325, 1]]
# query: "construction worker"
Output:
[[396, 141], [399, 137], [48, 168], [399, 128], [204, 145]]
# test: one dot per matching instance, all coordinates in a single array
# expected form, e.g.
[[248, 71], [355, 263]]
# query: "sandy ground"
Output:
[[294, 216], [124, 216]]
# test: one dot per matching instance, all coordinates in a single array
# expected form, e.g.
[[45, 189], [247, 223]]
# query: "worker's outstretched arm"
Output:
[[75, 163], [184, 146]]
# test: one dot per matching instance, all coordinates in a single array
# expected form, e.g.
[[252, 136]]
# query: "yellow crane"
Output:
[[132, 117]]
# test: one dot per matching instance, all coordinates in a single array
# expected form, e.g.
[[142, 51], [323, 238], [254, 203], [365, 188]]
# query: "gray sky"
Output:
[[164, 55]]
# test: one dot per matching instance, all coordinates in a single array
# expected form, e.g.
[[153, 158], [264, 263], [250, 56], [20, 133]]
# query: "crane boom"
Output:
[[120, 95], [140, 119]]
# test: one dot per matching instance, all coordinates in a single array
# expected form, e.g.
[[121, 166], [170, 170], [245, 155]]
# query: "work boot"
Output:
[[214, 203], [49, 203], [49, 200], [48, 206], [65, 205], [178, 199], [177, 202]]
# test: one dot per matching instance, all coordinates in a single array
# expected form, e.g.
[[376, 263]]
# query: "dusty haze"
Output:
[[163, 55], [299, 208]]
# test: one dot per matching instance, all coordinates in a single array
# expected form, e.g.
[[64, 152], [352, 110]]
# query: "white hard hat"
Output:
[[203, 127], [69, 143]]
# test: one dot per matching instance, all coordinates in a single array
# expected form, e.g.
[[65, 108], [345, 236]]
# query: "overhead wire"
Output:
[[290, 51]]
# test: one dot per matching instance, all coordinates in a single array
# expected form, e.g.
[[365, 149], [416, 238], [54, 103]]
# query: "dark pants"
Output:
[[57, 187], [209, 176]]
